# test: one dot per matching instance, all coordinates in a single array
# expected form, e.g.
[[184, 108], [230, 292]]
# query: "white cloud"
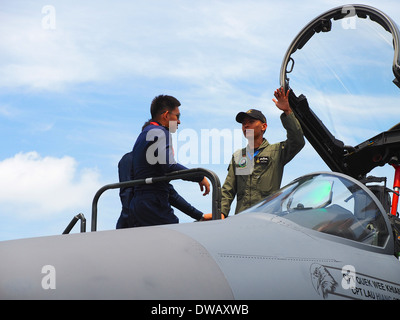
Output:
[[7, 111], [207, 43], [34, 187], [96, 41]]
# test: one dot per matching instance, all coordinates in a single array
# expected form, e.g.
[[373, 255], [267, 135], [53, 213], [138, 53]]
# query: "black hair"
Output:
[[163, 103]]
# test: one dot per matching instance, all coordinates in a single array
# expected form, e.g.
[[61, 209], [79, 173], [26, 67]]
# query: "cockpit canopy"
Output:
[[340, 68], [332, 204]]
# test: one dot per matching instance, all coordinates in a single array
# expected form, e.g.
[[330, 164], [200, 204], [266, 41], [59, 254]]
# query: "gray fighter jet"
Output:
[[326, 235]]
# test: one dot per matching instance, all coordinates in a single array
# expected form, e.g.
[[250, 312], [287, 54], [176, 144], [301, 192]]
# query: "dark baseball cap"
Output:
[[253, 113]]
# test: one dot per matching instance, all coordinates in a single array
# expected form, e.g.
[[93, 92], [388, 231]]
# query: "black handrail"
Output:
[[74, 220], [182, 174]]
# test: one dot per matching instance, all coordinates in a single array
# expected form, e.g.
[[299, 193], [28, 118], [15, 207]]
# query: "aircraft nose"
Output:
[[136, 263]]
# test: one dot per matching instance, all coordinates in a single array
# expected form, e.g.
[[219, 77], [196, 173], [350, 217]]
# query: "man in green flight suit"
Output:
[[256, 171]]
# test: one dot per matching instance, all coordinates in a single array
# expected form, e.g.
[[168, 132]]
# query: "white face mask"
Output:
[[173, 126]]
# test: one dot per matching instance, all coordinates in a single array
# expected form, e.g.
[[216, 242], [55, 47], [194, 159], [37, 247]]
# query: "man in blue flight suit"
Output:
[[153, 156], [126, 195]]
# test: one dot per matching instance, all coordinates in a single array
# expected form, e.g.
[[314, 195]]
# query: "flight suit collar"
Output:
[[156, 123], [263, 145]]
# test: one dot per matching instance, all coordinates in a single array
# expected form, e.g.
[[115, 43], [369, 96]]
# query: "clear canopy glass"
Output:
[[330, 204], [346, 75]]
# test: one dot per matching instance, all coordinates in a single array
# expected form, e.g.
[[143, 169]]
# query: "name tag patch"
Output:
[[262, 160]]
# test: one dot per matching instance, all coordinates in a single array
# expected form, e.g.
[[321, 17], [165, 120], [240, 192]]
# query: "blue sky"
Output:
[[76, 85]]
